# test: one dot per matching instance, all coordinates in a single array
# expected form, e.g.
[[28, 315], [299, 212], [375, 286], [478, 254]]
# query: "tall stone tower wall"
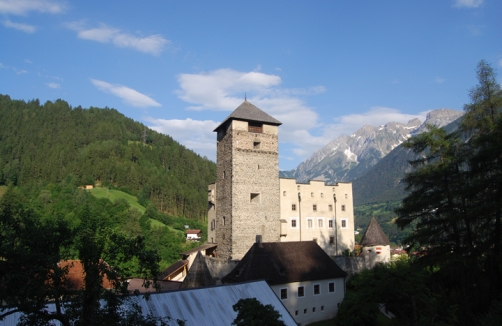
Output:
[[247, 188]]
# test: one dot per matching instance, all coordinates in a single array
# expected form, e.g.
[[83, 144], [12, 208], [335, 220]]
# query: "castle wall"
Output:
[[317, 216]]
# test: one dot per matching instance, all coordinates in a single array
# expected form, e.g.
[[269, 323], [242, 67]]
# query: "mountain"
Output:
[[349, 157], [53, 142], [382, 183]]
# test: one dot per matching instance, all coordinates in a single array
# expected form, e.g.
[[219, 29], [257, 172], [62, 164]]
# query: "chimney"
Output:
[[258, 238]]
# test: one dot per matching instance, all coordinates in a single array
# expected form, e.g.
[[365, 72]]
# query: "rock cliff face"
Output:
[[349, 157]]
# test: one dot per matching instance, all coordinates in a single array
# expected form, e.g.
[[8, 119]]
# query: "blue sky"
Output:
[[322, 68]]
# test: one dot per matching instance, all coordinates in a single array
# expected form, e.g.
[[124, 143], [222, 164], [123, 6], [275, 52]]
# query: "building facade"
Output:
[[249, 199]]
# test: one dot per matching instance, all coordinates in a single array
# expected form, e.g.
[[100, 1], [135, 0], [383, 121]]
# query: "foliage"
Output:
[[101, 147], [455, 199], [251, 312], [385, 216], [33, 245]]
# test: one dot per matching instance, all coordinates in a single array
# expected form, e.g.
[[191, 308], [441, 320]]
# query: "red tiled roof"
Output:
[[193, 231], [76, 274]]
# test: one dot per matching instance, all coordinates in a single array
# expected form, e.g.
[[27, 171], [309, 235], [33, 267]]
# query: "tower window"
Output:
[[255, 127], [322, 195], [293, 207], [284, 193], [256, 145], [254, 198], [314, 208], [346, 196], [301, 291], [311, 194], [343, 208], [330, 208], [331, 240], [344, 223], [224, 218], [317, 289]]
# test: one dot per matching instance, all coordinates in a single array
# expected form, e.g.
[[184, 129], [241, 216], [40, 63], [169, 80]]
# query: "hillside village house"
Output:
[[249, 199], [308, 282], [193, 234]]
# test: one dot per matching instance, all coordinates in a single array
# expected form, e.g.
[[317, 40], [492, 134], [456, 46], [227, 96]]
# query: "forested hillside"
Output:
[[102, 147]]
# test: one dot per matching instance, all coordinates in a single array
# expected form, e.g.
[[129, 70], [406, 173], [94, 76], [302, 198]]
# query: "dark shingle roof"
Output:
[[284, 262], [173, 269], [198, 275], [248, 112], [374, 235]]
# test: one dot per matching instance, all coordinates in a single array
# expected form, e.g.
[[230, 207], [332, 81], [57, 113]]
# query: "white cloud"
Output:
[[153, 44], [301, 132], [22, 27], [128, 95], [53, 85], [467, 3], [20, 72], [194, 134], [21, 7], [439, 80]]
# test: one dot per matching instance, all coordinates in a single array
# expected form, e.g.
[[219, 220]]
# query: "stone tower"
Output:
[[247, 181]]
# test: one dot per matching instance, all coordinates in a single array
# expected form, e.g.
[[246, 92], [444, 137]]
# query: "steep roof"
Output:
[[173, 269], [284, 262], [204, 306], [198, 275], [248, 112], [374, 236]]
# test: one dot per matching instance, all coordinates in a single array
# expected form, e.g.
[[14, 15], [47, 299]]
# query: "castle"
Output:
[[249, 201]]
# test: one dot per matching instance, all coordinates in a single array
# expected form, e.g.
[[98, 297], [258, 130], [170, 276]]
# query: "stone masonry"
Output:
[[247, 182]]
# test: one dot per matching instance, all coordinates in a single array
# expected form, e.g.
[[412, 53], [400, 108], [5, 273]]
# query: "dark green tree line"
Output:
[[100, 146]]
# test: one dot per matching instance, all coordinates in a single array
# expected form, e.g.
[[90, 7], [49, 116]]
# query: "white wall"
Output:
[[302, 308]]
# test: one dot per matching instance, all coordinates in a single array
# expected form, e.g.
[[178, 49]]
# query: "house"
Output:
[[202, 306], [308, 282], [193, 234], [248, 197], [375, 245]]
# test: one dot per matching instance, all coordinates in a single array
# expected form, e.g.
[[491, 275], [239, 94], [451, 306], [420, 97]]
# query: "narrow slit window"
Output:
[[254, 198]]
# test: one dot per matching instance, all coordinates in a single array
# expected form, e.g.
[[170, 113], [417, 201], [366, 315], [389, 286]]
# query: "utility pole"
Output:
[[300, 213], [336, 228]]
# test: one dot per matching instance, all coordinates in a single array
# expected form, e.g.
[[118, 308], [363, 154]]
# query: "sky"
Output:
[[322, 68]]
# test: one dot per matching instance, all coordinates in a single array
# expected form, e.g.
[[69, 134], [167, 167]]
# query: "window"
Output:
[[284, 294], [212, 240], [224, 220], [294, 222], [298, 187], [322, 195], [255, 127], [301, 291], [320, 223], [330, 208], [296, 312], [343, 208], [213, 224], [310, 223], [254, 198], [224, 174], [284, 193], [314, 208], [313, 309], [331, 240], [311, 194], [331, 287], [305, 311], [344, 223], [256, 145], [293, 207], [322, 308], [330, 223], [346, 196], [317, 289]]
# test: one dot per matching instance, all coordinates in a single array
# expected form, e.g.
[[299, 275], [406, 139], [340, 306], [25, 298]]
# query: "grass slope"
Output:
[[113, 194]]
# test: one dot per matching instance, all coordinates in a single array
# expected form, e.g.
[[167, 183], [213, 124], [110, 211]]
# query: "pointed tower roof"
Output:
[[248, 112], [374, 236], [198, 275]]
